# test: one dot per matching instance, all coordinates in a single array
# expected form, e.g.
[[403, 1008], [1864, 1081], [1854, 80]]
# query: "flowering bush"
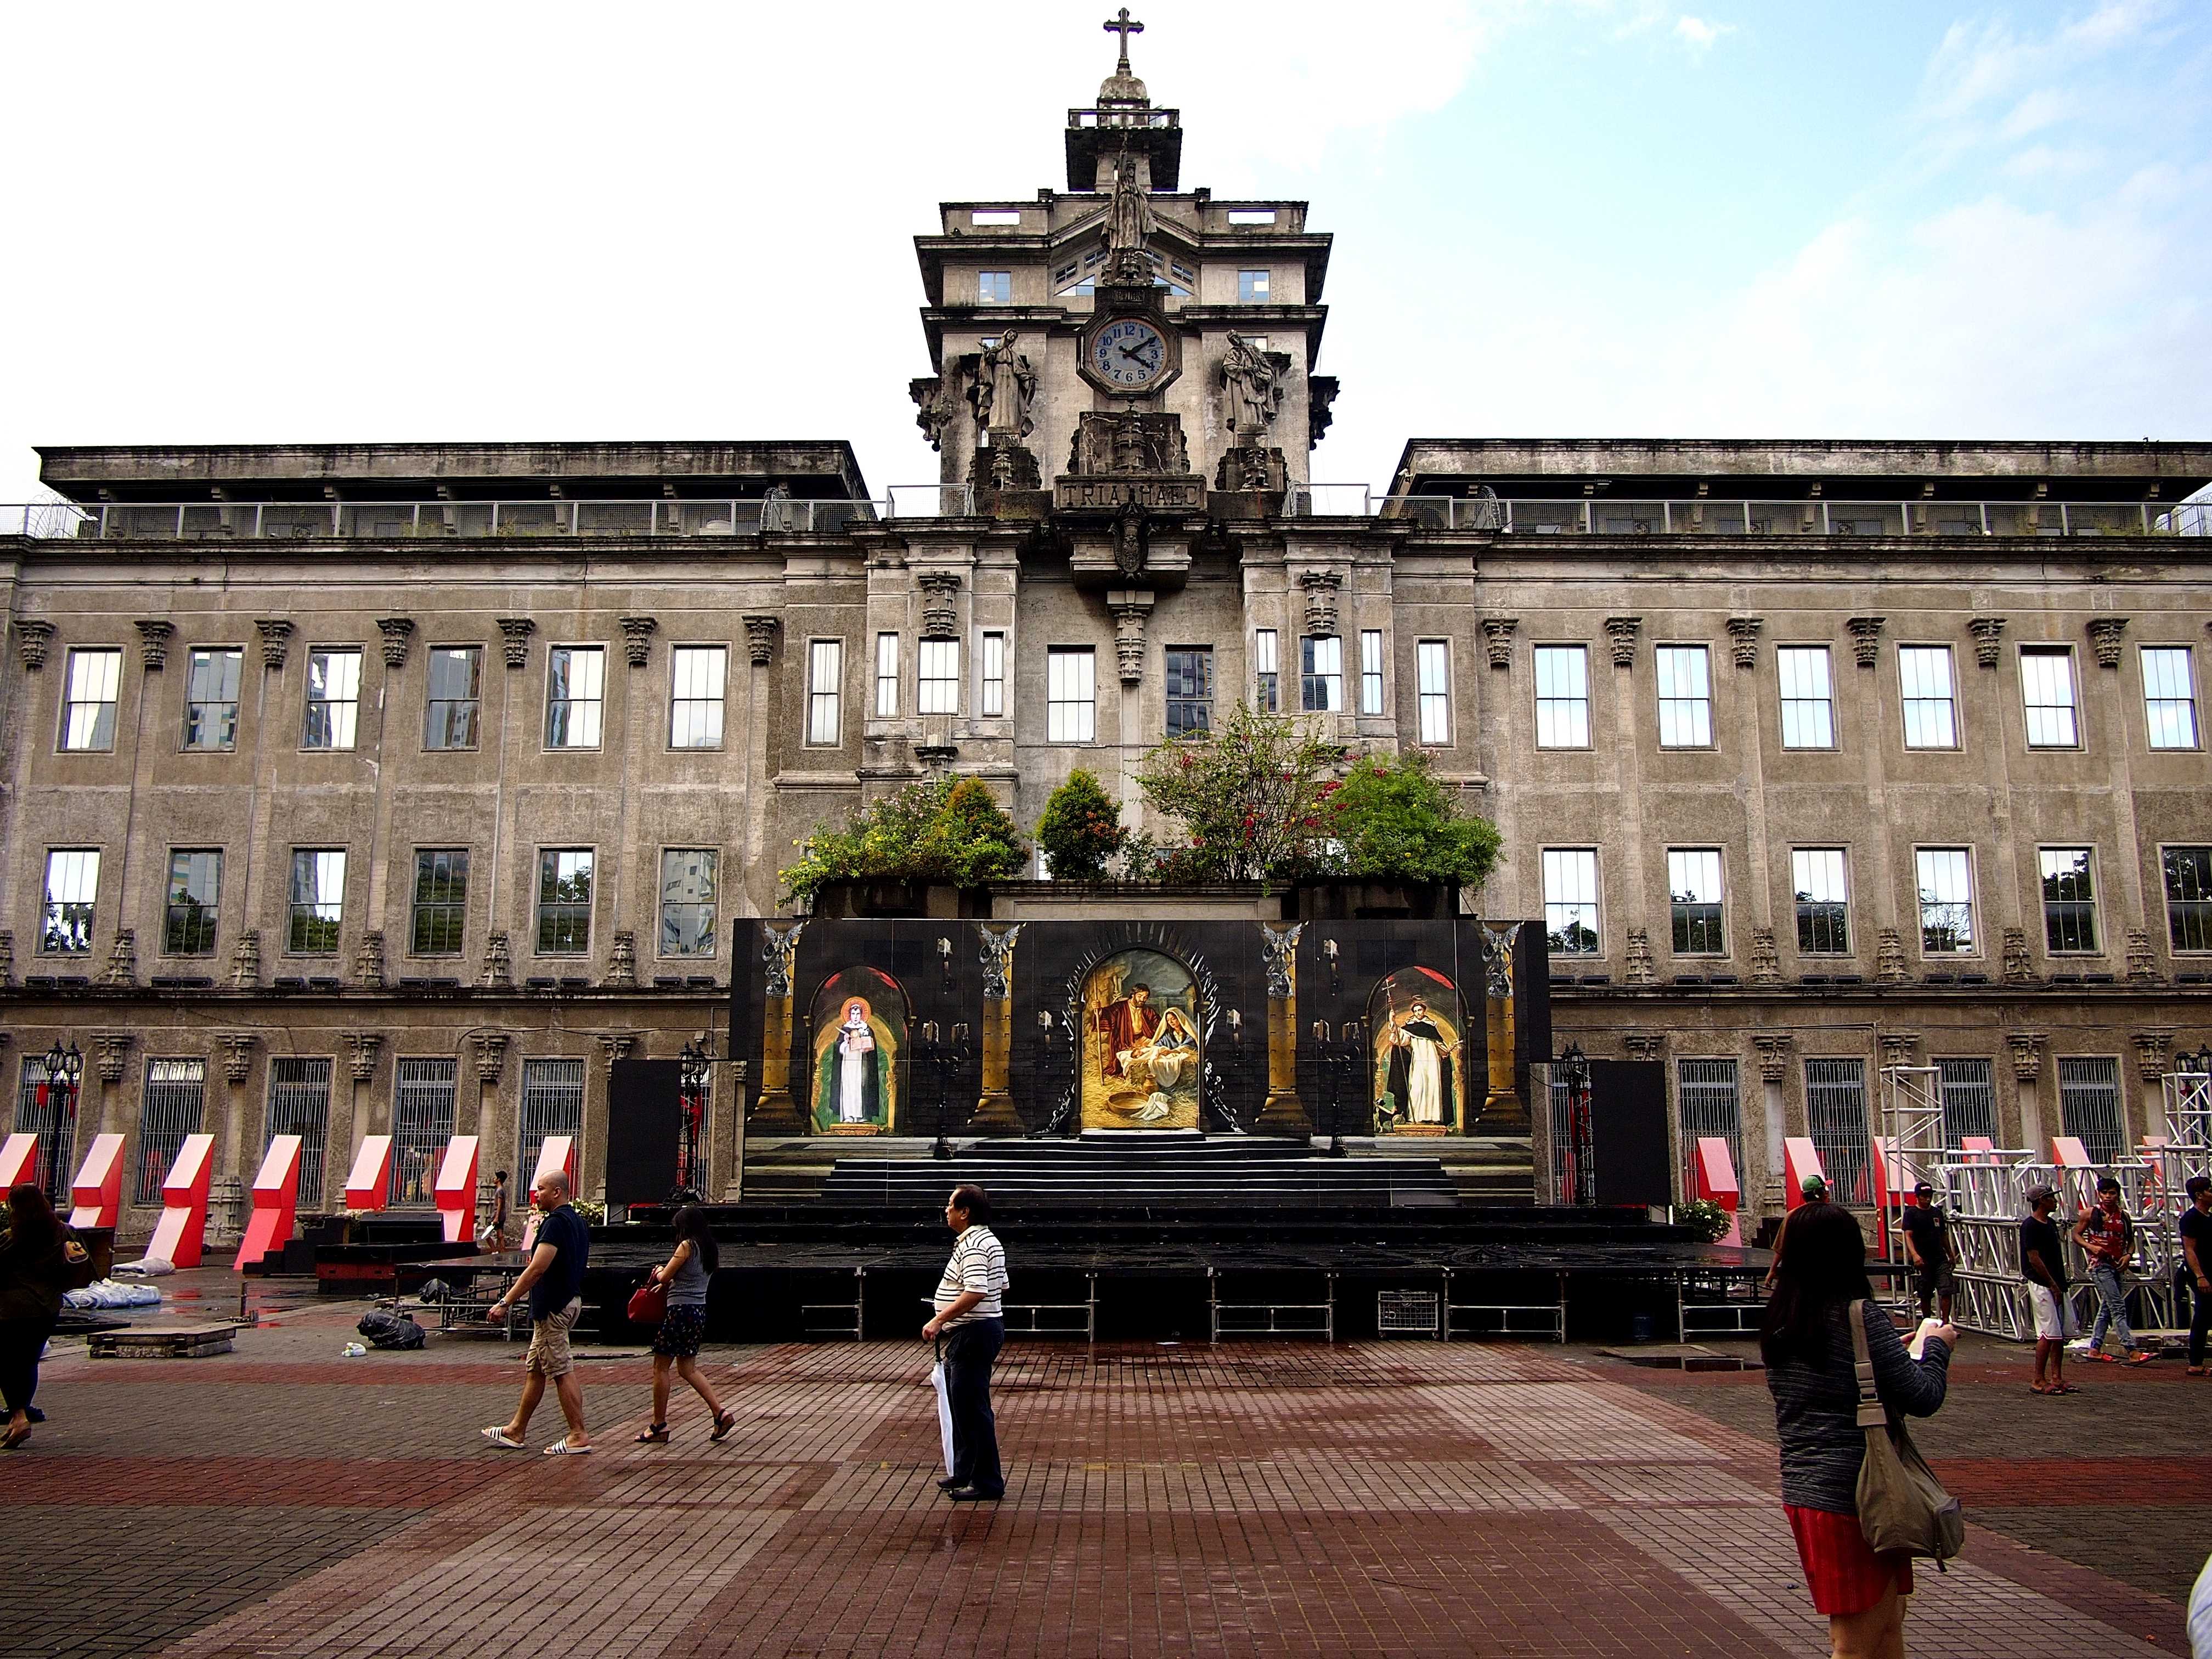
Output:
[[1704, 1218], [940, 829], [1081, 829], [1252, 796], [1396, 822]]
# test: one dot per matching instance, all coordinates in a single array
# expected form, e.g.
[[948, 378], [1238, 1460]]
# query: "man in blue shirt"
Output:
[[554, 1281]]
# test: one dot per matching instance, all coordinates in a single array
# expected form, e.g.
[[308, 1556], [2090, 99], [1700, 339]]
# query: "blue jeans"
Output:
[[2111, 1307]]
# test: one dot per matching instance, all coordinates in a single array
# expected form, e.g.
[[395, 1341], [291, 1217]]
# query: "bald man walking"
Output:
[[554, 1282]]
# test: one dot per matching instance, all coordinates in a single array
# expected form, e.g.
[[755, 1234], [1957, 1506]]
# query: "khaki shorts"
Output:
[[548, 1354]]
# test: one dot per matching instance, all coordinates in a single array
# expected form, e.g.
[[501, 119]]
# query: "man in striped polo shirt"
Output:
[[970, 1318]]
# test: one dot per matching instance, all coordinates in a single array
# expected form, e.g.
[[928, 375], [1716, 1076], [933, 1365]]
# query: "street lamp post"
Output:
[[64, 1071]]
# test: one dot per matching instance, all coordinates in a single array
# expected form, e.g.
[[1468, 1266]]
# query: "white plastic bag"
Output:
[[944, 1413]]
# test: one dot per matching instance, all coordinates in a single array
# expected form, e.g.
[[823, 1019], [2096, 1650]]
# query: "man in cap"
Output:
[[2043, 1265], [1815, 1191], [1927, 1247], [2107, 1234]]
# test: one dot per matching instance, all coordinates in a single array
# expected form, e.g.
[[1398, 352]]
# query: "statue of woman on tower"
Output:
[[1005, 385], [1129, 225]]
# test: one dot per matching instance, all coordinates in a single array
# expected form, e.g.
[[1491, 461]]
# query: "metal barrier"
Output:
[[1230, 1318]]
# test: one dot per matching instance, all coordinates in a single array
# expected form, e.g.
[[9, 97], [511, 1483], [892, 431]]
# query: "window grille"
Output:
[[1189, 689], [455, 679], [441, 901], [697, 674], [1836, 1112], [2046, 681], [333, 699], [687, 902], [2169, 697], [826, 672], [1685, 697], [937, 680], [2189, 897], [1562, 696], [2089, 1106], [1562, 1098], [211, 700], [176, 1095], [299, 1104], [51, 1115], [1069, 710], [552, 1104], [88, 707], [1706, 1092], [2070, 899], [422, 1124], [575, 693], [1923, 673], [1970, 1099], [72, 885], [1808, 703]]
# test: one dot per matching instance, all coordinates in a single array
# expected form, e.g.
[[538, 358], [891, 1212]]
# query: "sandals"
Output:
[[562, 1448], [500, 1437], [2192, 1370], [15, 1438], [723, 1424], [2062, 1388], [657, 1435]]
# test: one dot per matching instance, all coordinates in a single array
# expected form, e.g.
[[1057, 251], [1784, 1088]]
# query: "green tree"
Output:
[[1251, 796], [939, 829], [1396, 822], [1080, 829]]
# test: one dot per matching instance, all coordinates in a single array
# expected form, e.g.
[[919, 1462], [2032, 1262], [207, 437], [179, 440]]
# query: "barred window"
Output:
[[1818, 878], [72, 885], [1706, 1090], [2169, 697], [575, 693], [825, 672], [1432, 669], [88, 702], [552, 1104], [2089, 1106], [887, 675], [937, 684], [1836, 1113], [1267, 689], [1189, 689], [697, 674], [1069, 713], [299, 1104], [2046, 682], [50, 1114], [1946, 879], [564, 902], [1808, 702], [440, 906], [994, 675], [421, 1123], [1970, 1099], [1321, 676], [211, 699], [2188, 896], [454, 681], [170, 1109], [1370, 670], [687, 902], [195, 898], [1685, 697], [318, 901], [2070, 899], [1923, 674], [1693, 888], [333, 699], [1570, 925], [1563, 697]]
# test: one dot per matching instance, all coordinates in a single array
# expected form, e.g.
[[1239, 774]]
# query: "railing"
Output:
[[1328, 500], [1594, 516], [193, 521], [1124, 117]]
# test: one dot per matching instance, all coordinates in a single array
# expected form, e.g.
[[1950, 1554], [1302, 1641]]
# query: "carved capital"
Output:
[[368, 961], [1765, 960], [1889, 958], [1866, 638], [361, 1048], [1773, 1054], [1744, 631], [1622, 631], [396, 631], [622, 961], [616, 1045], [2019, 965], [637, 638], [498, 972], [2026, 1054], [760, 638], [153, 635], [109, 1049], [1132, 609], [1897, 1047], [1989, 635], [491, 1054], [1640, 968], [1498, 638], [2151, 1049], [2104, 638], [237, 1054], [32, 639], [2142, 960], [275, 640], [514, 634], [1321, 587], [1647, 1046], [940, 616], [122, 959], [245, 961]]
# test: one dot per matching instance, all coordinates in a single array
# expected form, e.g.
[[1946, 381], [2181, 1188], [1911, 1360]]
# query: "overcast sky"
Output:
[[335, 221]]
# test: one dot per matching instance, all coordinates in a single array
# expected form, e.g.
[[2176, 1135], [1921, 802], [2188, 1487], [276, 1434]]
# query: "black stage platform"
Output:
[[1168, 1237]]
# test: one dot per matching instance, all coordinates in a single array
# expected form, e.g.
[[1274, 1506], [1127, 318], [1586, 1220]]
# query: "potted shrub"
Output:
[[1080, 829]]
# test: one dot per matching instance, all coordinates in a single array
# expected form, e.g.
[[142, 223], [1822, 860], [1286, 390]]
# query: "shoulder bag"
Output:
[[1902, 1505], [648, 1305]]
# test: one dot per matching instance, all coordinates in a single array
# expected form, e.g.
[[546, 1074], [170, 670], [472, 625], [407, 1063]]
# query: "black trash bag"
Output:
[[390, 1330], [433, 1290]]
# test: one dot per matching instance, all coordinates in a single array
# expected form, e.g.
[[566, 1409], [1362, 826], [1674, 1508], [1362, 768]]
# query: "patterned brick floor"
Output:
[[1372, 1500]]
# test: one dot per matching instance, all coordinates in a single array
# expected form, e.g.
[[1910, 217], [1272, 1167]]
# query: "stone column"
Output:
[[1283, 1113], [2151, 1050], [359, 1117], [1773, 1080], [776, 1112], [995, 1111], [111, 1052], [725, 1133], [236, 1150], [491, 1065], [591, 1152]]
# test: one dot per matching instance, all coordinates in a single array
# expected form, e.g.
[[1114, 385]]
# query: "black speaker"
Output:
[[1628, 1132], [645, 1122], [1532, 997]]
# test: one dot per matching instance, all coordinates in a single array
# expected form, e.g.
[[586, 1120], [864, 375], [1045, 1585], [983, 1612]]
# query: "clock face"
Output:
[[1128, 355]]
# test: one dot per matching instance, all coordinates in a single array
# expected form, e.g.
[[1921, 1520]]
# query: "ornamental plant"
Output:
[[1251, 796], [941, 829], [1396, 822], [1081, 829]]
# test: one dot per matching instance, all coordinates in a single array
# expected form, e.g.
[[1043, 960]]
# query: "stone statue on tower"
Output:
[[1005, 385], [1253, 381], [1129, 225]]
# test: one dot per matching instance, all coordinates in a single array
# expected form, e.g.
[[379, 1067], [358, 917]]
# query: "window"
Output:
[[1817, 877], [1189, 689], [937, 688], [299, 1104], [994, 288], [825, 670], [318, 902], [441, 906], [1370, 670], [1067, 694], [995, 675], [421, 1122], [333, 699], [1693, 889], [1970, 1099], [1685, 697], [1321, 676], [1808, 702], [2169, 697], [1563, 697], [72, 885], [1267, 690], [2188, 896], [887, 675], [176, 1095], [2069, 904], [195, 894], [1836, 1113], [1710, 1106], [1252, 288], [564, 902], [454, 683], [552, 1104], [2046, 687], [575, 686], [1570, 901], [1923, 675], [687, 902], [1946, 879], [211, 700], [2089, 1105], [698, 675], [88, 701], [1432, 663]]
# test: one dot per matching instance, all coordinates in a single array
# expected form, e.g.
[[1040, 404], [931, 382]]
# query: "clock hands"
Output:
[[1136, 355]]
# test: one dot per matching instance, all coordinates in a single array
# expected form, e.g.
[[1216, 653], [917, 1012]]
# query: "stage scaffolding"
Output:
[[1984, 1189]]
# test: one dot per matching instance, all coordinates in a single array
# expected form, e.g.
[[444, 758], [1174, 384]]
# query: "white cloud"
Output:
[[1698, 34]]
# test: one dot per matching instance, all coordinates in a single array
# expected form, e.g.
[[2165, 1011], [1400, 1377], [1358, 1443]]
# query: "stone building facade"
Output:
[[403, 788]]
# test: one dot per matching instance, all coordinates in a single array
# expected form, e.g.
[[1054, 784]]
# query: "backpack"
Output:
[[390, 1330], [77, 1269]]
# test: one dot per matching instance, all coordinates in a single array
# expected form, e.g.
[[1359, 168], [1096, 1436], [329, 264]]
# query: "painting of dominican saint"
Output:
[[1142, 1057], [1420, 1077], [859, 1023]]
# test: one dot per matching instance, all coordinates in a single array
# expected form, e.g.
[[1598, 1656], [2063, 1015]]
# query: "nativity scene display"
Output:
[[1141, 1060], [1420, 1079], [860, 1021]]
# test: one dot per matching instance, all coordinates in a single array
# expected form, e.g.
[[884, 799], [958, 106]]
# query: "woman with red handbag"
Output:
[[681, 1280]]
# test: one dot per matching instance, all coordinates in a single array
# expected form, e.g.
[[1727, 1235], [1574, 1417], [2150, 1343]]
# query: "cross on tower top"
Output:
[[1121, 25]]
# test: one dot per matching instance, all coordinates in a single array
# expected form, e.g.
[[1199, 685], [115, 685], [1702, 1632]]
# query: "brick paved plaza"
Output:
[[1278, 1498]]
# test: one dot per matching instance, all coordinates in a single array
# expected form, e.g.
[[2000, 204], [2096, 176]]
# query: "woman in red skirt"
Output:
[[1807, 1344]]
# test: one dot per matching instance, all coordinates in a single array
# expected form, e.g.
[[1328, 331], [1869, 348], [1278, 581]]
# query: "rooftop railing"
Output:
[[1701, 516], [194, 521]]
